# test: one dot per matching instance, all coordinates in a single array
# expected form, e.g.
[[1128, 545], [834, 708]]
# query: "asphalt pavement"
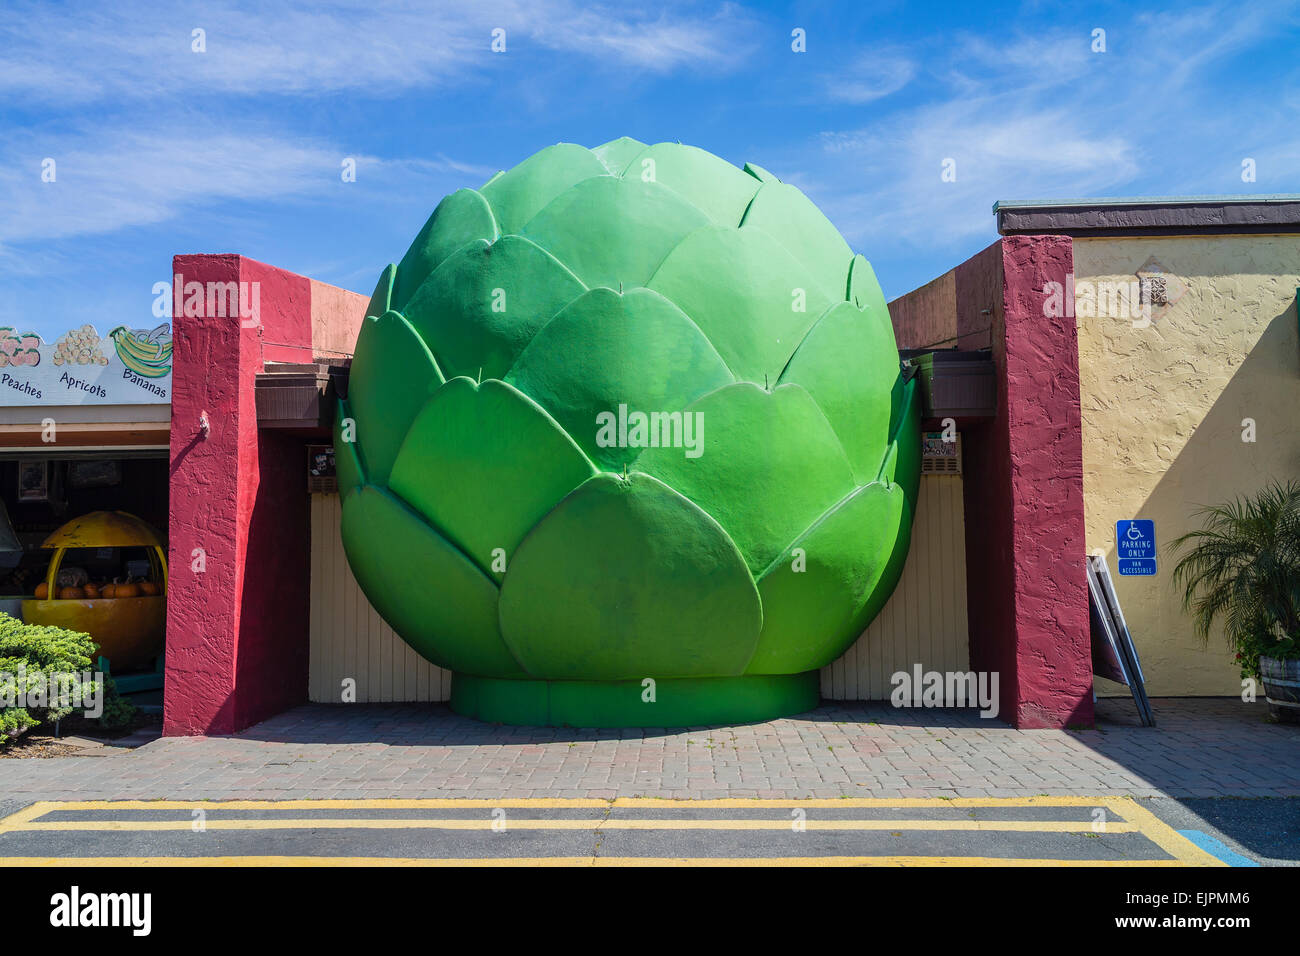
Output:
[[1022, 831]]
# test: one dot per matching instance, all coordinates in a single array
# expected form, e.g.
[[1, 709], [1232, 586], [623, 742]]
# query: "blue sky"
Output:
[[160, 150]]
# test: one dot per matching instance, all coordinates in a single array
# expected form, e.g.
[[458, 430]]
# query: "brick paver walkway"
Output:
[[1200, 748]]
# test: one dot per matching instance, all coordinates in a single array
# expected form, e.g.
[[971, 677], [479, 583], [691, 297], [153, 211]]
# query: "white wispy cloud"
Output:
[[991, 152], [667, 41], [1042, 116], [133, 178], [129, 178], [102, 65], [1180, 42], [130, 50], [873, 76]]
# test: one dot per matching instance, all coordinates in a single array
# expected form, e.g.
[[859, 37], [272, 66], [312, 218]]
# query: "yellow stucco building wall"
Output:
[[1163, 409]]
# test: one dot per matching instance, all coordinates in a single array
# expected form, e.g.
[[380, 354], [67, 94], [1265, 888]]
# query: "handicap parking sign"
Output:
[[1135, 546]]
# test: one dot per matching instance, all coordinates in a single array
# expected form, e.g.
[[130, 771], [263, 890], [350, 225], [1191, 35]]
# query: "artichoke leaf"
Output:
[[847, 359], [814, 593], [428, 592], [392, 375], [746, 293], [348, 470], [482, 306], [702, 179], [382, 299], [520, 193], [618, 153], [606, 352], [614, 232], [769, 465], [483, 464], [460, 218], [790, 217], [627, 579]]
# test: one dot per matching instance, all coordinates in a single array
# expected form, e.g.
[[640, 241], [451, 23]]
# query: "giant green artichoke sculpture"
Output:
[[626, 443]]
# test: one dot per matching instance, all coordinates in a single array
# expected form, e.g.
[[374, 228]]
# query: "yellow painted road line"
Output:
[[16, 820], [665, 803], [375, 804], [372, 823], [770, 861], [733, 803], [1169, 839]]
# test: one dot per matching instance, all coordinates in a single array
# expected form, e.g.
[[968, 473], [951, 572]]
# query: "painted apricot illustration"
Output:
[[626, 442]]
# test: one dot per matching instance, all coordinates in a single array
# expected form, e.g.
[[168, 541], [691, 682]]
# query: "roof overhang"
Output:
[[960, 384], [1150, 216], [300, 397]]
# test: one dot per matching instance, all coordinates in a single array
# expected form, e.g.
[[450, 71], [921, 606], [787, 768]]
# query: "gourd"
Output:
[[42, 591], [129, 589], [149, 588], [72, 594], [92, 592]]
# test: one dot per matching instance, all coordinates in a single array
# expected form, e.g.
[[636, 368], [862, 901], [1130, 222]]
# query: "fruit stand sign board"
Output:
[[125, 367], [1135, 546]]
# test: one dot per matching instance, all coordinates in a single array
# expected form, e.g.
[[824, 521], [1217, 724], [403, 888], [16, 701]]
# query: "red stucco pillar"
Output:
[[1023, 480], [237, 610]]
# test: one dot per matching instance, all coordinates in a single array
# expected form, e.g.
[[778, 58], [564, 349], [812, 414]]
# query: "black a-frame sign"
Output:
[[1113, 654]]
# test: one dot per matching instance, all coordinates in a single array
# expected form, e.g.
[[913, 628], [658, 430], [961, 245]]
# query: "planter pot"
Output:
[[1282, 688]]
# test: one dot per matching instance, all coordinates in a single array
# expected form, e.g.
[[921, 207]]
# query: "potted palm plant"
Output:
[[1243, 568]]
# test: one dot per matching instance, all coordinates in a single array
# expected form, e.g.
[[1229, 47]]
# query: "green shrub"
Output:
[[1243, 568], [30, 652], [118, 711]]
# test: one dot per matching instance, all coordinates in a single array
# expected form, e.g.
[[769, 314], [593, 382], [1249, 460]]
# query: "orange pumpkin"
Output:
[[128, 590], [108, 590], [149, 588], [42, 591], [72, 594], [92, 592]]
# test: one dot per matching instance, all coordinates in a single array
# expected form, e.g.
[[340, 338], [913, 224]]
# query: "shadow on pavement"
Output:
[[1267, 828]]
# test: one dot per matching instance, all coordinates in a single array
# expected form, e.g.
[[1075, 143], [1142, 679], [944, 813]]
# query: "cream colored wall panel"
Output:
[[348, 637], [924, 621]]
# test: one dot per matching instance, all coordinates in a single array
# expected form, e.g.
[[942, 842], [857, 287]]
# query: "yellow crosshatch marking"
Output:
[[1132, 819]]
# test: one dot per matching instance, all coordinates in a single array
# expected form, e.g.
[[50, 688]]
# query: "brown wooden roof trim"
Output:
[[1146, 216], [299, 396]]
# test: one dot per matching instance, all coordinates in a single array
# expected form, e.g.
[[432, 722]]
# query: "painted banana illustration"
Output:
[[145, 352]]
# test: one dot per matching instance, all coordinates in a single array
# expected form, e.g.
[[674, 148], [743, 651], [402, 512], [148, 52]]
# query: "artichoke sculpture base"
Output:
[[680, 702]]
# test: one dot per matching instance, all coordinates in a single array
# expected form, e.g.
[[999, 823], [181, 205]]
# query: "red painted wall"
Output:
[[1040, 360], [237, 630], [272, 664], [1027, 599], [206, 536]]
